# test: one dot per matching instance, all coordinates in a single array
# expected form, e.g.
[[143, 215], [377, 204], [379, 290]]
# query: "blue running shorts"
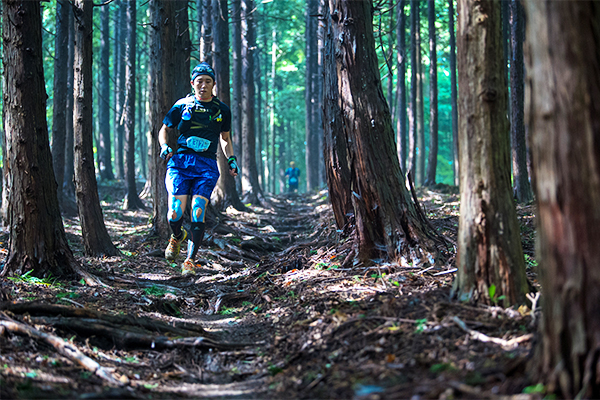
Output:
[[191, 174]]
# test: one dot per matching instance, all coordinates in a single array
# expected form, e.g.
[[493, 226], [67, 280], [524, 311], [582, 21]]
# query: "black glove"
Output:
[[232, 161]]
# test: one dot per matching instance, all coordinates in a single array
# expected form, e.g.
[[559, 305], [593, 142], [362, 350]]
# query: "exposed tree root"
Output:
[[126, 332], [64, 348]]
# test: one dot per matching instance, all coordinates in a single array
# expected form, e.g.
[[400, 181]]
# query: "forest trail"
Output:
[[277, 310]]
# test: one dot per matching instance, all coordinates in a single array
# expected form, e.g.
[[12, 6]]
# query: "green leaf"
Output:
[[492, 291]]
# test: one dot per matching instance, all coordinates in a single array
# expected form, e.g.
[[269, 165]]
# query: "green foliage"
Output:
[[492, 294], [420, 325], [155, 291], [27, 278]]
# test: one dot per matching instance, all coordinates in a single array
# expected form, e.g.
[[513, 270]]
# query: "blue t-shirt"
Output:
[[208, 119], [293, 174]]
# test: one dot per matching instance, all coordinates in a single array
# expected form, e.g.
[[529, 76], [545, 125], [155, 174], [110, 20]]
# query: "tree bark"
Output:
[[412, 108], [121, 29], [95, 236], [338, 171], [225, 193], [522, 187], [206, 40], [401, 87], [563, 113], [453, 92], [387, 221], [105, 143], [59, 98], [250, 183], [420, 115], [37, 236], [161, 97], [69, 182], [433, 99], [132, 200], [312, 139], [489, 242], [236, 105]]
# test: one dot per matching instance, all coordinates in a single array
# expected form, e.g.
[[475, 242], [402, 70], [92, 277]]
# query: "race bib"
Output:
[[293, 180], [197, 144]]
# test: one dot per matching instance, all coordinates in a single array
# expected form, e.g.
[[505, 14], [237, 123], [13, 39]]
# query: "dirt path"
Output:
[[276, 310]]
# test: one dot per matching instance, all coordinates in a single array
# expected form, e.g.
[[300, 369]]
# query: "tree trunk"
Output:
[[249, 169], [388, 223], [273, 111], [180, 63], [453, 92], [37, 236], [489, 242], [104, 144], [95, 236], [167, 84], [132, 200], [401, 89], [420, 167], [69, 182], [312, 139], [225, 193], [338, 171], [121, 29], [563, 42], [522, 187], [412, 108], [433, 99], [59, 119], [236, 105], [206, 40]]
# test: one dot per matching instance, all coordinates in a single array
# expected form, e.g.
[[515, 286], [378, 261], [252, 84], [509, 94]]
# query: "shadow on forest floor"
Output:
[[276, 310]]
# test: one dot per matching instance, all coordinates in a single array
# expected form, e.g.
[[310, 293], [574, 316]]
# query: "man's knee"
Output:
[[175, 209], [199, 208]]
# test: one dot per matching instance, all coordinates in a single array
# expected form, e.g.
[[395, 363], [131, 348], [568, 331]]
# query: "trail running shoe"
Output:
[[172, 250], [188, 267]]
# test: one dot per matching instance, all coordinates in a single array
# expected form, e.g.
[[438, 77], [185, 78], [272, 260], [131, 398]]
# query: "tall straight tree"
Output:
[[453, 92], [387, 221], [250, 183], [420, 115], [96, 240], [401, 86], [69, 182], [104, 139], [120, 43], [37, 237], [433, 99], [236, 105], [225, 193], [312, 139], [59, 113], [132, 200], [161, 96], [414, 71], [180, 63], [206, 40], [563, 83], [522, 187], [489, 242]]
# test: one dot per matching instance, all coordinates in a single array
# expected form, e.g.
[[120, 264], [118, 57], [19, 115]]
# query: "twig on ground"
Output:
[[451, 270], [534, 299], [506, 344], [66, 349]]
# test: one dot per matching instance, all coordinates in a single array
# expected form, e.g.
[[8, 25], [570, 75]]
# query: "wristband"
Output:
[[232, 161], [164, 151]]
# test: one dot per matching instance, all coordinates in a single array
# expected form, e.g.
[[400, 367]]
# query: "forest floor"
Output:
[[276, 310]]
